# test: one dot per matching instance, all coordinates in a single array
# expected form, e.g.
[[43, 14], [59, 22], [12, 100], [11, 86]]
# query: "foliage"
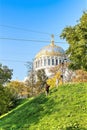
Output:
[[62, 69], [30, 82], [64, 109], [41, 77], [53, 81], [76, 36], [31, 73], [5, 76], [80, 76], [17, 89], [5, 101], [36, 87]]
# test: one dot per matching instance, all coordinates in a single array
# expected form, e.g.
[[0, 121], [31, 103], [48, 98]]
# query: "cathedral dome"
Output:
[[50, 50], [48, 57]]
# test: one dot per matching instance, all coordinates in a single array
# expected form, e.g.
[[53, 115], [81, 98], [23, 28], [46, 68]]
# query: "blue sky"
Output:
[[33, 20]]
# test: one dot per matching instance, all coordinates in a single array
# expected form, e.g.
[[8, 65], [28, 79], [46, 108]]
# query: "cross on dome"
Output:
[[52, 40]]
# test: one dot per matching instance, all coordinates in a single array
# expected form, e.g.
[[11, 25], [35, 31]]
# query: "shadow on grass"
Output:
[[30, 113], [25, 116], [73, 128]]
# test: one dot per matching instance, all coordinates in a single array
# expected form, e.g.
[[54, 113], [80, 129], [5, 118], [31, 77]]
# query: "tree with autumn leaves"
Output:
[[17, 89]]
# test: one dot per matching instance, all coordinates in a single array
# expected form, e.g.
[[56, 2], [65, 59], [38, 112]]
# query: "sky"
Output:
[[26, 26]]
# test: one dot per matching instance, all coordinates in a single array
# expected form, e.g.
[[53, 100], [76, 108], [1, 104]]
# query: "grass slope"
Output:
[[64, 109]]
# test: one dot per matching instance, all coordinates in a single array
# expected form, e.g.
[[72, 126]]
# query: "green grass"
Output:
[[65, 108]]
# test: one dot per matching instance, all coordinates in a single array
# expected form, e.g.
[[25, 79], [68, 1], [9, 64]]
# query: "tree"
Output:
[[76, 36], [41, 80], [80, 76], [61, 73], [41, 75], [5, 101], [52, 81], [31, 77], [17, 90], [5, 76]]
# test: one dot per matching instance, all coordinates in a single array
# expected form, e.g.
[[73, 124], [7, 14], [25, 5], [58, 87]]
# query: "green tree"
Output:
[[5, 101], [5, 76], [76, 36]]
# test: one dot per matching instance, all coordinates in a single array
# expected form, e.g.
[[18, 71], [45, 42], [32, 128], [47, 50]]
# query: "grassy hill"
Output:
[[65, 108]]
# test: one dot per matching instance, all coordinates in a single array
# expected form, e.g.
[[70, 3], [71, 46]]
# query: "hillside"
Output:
[[65, 108]]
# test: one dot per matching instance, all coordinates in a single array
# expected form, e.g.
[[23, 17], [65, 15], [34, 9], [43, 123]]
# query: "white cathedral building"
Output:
[[48, 57]]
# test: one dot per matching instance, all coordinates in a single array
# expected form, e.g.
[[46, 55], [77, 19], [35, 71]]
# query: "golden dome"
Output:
[[50, 50]]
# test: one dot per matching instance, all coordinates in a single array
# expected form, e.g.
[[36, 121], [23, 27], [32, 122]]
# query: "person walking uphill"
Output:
[[47, 89]]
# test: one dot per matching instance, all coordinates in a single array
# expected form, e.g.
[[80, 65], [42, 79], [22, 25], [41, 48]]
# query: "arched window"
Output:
[[48, 61], [59, 60], [56, 61], [36, 64], [44, 62], [41, 62], [52, 61]]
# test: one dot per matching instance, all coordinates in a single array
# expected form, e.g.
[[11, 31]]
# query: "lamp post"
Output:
[[62, 70]]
